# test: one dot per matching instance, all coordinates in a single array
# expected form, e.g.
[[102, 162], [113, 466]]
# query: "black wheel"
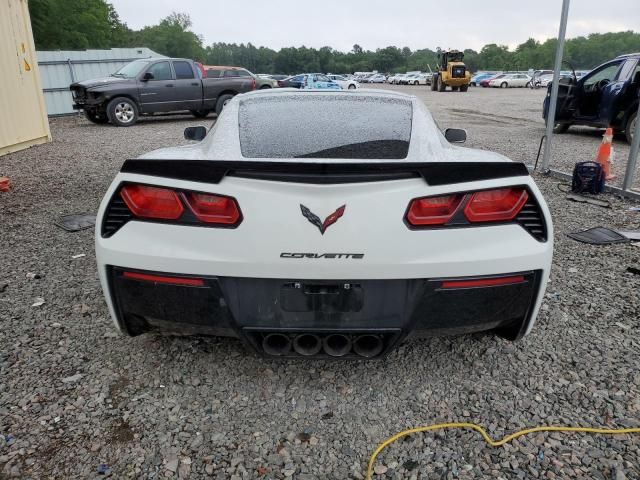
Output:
[[441, 85], [561, 127], [96, 117], [415, 83], [434, 83], [264, 86], [222, 101], [504, 85], [351, 87], [122, 112], [630, 128], [464, 88], [200, 113]]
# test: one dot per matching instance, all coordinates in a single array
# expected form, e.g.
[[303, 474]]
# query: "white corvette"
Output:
[[324, 223]]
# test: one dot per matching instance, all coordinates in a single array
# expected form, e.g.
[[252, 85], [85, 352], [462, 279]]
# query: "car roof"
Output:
[[629, 55], [223, 67]]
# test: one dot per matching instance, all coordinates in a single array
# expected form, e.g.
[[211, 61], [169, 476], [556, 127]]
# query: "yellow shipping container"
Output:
[[23, 115]]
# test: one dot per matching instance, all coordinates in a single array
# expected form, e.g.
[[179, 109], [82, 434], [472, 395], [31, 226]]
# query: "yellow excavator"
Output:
[[452, 72]]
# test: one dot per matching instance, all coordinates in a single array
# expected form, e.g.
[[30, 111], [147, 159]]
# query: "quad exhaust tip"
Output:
[[276, 344], [368, 346], [307, 344], [336, 345]]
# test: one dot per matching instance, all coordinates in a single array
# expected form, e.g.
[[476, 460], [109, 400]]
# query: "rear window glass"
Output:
[[236, 73], [325, 126], [211, 73]]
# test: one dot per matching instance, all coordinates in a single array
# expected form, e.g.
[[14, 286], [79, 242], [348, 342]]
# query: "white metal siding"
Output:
[[23, 118], [61, 68]]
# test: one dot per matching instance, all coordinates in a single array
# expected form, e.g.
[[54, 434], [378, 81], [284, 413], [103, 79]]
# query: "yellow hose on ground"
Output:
[[487, 438]]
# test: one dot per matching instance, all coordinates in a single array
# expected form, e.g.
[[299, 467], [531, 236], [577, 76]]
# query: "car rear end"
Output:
[[344, 254]]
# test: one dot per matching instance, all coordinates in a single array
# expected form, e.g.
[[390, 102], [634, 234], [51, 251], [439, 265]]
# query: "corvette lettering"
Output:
[[354, 256]]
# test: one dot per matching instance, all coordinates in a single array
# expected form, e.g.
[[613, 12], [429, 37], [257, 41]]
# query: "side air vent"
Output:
[[532, 220], [116, 215]]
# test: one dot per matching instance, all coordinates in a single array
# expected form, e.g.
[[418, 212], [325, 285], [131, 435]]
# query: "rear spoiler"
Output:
[[434, 173]]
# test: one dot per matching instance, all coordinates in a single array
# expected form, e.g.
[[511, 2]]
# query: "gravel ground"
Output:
[[77, 399]]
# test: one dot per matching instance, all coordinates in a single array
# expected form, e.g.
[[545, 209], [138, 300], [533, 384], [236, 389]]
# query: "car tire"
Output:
[[99, 118], [351, 87], [630, 127], [264, 87], [200, 113], [122, 112], [415, 83], [434, 83], [222, 101], [441, 85], [504, 85], [464, 88], [561, 128]]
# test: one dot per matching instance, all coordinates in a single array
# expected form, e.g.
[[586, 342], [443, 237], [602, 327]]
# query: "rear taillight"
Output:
[[152, 202], [213, 208], [181, 206], [253, 84], [433, 210], [495, 205]]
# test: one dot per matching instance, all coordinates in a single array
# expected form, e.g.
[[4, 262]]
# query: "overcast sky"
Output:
[[378, 23]]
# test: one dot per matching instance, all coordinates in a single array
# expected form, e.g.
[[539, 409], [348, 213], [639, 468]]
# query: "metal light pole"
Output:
[[551, 114], [633, 157]]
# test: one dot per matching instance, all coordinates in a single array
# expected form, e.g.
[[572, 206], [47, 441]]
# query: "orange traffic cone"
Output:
[[4, 184], [605, 154]]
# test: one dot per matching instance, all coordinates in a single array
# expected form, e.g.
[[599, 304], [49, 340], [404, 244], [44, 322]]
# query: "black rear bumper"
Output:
[[251, 309]]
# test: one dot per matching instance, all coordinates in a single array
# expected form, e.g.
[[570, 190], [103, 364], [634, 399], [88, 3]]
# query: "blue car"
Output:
[[310, 81], [607, 96], [319, 81]]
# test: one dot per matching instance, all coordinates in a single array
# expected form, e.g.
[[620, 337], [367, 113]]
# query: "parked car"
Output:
[[397, 79], [140, 88], [377, 78], [478, 77], [278, 76], [418, 79], [510, 80], [485, 83], [605, 97], [310, 81], [319, 81], [345, 83], [190, 239], [232, 72], [294, 81], [407, 79]]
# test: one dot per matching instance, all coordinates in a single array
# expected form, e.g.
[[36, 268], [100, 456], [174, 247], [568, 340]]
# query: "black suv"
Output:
[[605, 97]]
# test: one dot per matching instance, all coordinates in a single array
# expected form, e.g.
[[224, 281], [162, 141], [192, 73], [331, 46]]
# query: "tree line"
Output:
[[82, 24]]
